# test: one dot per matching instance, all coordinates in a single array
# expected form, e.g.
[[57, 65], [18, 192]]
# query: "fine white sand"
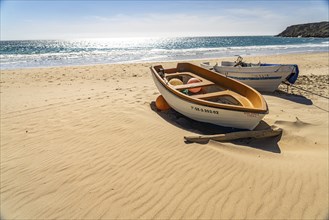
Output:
[[86, 142]]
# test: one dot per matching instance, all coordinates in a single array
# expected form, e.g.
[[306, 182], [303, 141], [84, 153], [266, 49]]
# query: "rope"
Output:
[[326, 97]]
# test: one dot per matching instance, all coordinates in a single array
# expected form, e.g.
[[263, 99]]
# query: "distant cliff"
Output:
[[320, 29]]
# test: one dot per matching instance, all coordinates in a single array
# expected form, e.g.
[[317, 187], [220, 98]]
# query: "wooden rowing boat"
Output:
[[221, 101]]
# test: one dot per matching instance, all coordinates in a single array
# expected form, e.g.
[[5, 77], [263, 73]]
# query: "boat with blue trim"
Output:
[[261, 76]]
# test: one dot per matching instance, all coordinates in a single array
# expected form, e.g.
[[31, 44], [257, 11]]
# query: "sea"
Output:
[[50, 53]]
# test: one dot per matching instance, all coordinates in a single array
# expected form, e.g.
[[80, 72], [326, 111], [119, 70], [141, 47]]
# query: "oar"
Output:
[[235, 135]]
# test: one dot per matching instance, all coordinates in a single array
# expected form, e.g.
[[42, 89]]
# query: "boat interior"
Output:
[[240, 64], [209, 90]]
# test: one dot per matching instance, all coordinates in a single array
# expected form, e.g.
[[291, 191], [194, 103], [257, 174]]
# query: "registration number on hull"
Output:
[[204, 110]]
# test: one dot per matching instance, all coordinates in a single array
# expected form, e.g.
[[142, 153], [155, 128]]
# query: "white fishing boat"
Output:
[[260, 76], [220, 100]]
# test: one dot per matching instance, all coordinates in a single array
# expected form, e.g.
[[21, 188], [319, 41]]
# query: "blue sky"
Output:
[[103, 19]]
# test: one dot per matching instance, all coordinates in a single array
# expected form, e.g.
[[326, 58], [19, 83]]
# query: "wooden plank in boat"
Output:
[[185, 73], [242, 100], [204, 82], [193, 85]]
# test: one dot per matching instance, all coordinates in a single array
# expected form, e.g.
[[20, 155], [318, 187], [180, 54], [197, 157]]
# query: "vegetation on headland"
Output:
[[320, 29]]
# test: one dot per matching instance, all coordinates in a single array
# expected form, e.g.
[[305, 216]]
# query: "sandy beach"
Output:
[[86, 142]]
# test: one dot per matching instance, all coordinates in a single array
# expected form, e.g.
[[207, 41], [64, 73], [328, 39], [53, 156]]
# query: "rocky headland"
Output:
[[320, 29]]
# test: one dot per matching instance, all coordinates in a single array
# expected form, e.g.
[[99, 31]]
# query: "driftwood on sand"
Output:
[[235, 135]]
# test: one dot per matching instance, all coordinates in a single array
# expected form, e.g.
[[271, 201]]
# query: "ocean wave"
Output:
[[171, 50]]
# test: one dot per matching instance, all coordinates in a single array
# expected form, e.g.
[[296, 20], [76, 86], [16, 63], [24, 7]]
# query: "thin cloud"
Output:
[[198, 20]]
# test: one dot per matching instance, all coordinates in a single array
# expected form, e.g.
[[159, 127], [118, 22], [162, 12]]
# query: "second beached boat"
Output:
[[262, 77], [208, 97]]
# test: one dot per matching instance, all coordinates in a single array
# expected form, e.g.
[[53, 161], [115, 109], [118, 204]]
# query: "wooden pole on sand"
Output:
[[235, 135]]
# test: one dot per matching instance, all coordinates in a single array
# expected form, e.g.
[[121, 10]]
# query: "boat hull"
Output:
[[218, 116], [263, 78]]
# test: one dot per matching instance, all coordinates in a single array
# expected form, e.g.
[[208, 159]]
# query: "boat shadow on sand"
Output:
[[300, 99], [183, 122]]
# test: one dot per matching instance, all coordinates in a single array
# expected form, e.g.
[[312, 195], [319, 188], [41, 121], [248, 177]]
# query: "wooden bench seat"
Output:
[[241, 99], [184, 73], [193, 85], [204, 82]]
